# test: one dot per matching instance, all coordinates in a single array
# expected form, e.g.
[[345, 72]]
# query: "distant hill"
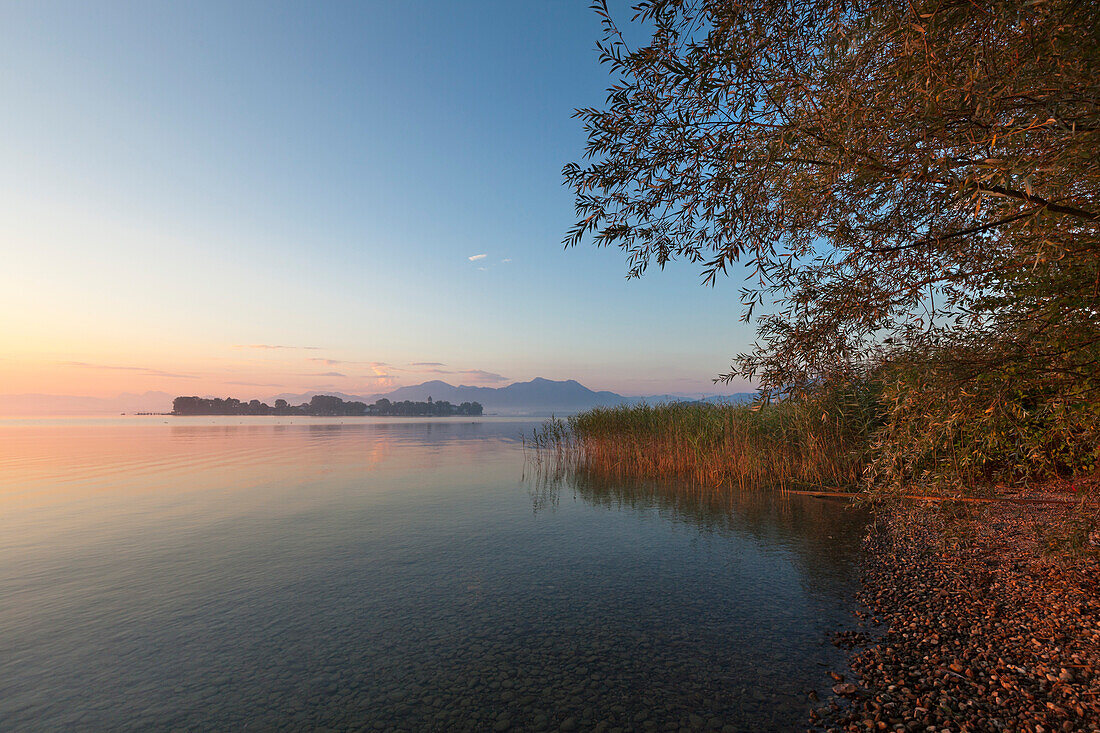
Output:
[[297, 398], [714, 399], [54, 404], [536, 397]]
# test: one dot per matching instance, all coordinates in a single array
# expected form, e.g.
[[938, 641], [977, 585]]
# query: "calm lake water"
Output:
[[213, 573]]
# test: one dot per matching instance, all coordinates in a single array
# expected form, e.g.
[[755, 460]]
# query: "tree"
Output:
[[899, 178]]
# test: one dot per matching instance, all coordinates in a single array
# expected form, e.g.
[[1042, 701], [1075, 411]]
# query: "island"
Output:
[[322, 406]]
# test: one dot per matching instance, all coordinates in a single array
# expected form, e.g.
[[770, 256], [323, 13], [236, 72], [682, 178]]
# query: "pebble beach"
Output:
[[978, 618]]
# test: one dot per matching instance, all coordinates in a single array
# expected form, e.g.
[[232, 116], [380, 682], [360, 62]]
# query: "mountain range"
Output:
[[536, 397], [56, 404], [521, 397]]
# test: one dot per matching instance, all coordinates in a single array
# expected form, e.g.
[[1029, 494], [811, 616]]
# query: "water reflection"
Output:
[[391, 576], [822, 534]]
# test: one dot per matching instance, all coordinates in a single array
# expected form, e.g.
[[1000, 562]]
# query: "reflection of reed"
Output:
[[822, 534], [544, 481], [702, 505]]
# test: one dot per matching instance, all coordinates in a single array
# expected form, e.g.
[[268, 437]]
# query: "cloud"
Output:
[[479, 375], [255, 384], [377, 382], [507, 259], [334, 362], [144, 370], [323, 374], [475, 258], [428, 364], [275, 346], [483, 269], [483, 376]]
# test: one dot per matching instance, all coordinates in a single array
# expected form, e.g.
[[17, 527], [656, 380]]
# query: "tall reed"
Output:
[[788, 444]]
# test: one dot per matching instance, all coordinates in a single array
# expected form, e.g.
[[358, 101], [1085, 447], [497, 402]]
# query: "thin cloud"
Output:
[[428, 364], [377, 382], [506, 260], [276, 346], [479, 375], [143, 370], [483, 376], [323, 374], [335, 362], [475, 258], [86, 365]]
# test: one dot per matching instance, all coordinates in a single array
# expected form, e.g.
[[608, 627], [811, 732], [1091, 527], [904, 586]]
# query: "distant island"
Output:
[[322, 406], [539, 396]]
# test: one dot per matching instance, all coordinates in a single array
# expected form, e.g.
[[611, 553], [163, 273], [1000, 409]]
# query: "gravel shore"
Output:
[[981, 618]]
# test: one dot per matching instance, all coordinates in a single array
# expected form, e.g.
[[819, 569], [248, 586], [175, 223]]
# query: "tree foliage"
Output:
[[899, 178]]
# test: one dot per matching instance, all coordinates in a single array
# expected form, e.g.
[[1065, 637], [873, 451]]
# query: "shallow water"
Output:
[[208, 573]]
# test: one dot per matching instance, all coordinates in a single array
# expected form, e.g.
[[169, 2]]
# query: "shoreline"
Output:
[[981, 617]]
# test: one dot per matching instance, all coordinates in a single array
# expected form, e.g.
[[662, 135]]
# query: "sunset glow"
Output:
[[177, 192]]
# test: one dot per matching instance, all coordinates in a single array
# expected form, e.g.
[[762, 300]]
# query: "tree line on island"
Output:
[[322, 406]]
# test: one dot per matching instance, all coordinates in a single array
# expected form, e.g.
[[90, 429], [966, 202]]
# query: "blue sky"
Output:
[[181, 183]]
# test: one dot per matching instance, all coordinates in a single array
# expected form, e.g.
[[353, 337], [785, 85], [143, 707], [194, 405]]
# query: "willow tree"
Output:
[[917, 179]]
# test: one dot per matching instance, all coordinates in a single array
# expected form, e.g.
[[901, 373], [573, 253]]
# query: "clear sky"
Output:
[[245, 198]]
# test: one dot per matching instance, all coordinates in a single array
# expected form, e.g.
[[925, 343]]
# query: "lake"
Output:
[[388, 574]]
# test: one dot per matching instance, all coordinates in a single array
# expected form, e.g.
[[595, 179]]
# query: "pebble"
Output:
[[981, 629]]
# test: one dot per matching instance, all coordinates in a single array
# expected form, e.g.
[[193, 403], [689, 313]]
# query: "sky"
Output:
[[248, 198]]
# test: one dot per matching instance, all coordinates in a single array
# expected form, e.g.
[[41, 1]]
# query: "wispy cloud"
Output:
[[506, 259], [322, 374], [475, 258], [481, 375], [143, 370], [276, 346], [375, 382], [427, 364], [335, 362]]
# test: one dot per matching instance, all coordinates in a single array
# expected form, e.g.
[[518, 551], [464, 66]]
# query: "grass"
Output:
[[820, 442]]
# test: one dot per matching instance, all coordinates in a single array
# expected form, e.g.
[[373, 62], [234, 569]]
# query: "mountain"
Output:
[[297, 398], [55, 404], [736, 398], [539, 396]]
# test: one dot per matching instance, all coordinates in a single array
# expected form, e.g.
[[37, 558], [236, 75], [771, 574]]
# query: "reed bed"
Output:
[[787, 444]]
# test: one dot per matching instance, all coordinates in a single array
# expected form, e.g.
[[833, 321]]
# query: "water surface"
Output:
[[212, 573]]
